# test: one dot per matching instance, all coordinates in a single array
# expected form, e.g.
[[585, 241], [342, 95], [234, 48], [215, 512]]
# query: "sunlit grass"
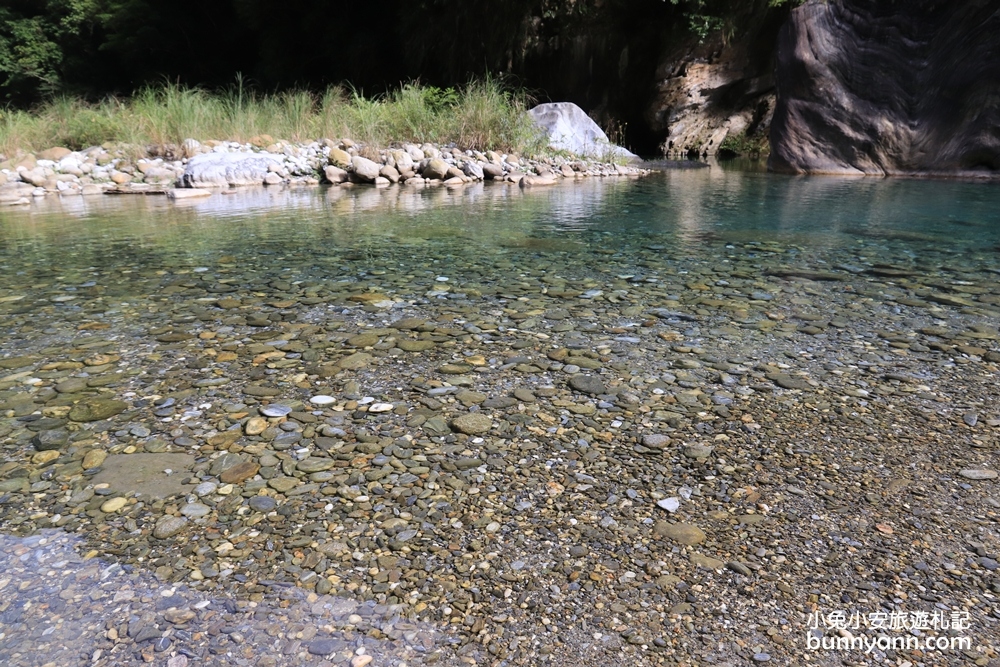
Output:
[[481, 115]]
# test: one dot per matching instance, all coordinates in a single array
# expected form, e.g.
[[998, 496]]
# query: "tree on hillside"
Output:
[[41, 41]]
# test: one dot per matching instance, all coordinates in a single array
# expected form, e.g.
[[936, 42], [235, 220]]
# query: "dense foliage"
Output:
[[95, 47]]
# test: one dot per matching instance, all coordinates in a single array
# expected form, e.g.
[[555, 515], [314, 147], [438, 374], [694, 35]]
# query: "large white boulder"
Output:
[[569, 128], [220, 170]]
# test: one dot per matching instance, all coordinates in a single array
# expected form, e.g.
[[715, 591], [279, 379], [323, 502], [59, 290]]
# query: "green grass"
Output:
[[481, 115]]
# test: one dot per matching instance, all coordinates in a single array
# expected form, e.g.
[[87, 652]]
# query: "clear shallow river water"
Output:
[[688, 212], [701, 286]]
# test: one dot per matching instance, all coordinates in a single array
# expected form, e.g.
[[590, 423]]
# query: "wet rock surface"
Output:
[[754, 441]]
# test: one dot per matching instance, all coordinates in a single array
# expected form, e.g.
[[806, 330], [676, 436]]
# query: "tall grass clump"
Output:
[[481, 115]]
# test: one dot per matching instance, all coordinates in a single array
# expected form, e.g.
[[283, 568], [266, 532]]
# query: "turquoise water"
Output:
[[688, 212], [485, 239]]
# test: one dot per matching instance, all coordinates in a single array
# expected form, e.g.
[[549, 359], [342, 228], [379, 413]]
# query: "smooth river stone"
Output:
[[583, 362], [50, 440], [587, 384], [381, 407], [211, 382], [786, 381], [94, 458], [261, 392], [224, 439], [195, 510], [275, 410], [415, 345], [96, 409], [408, 323], [11, 363], [15, 484], [255, 426], [324, 646], [473, 423], [283, 484], [240, 472], [225, 462], [684, 533], [205, 489], [113, 505], [169, 526], [262, 504], [314, 464], [372, 299], [698, 451], [706, 562], [363, 340], [656, 440], [978, 474], [354, 362], [41, 458], [322, 400], [71, 386]]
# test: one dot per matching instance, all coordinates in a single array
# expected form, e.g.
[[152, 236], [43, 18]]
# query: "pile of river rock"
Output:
[[262, 161]]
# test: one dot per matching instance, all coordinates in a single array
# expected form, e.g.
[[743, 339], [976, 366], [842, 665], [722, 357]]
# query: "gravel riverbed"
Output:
[[555, 454]]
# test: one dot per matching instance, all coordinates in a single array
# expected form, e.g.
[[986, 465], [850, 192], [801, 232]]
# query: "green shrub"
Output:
[[742, 144]]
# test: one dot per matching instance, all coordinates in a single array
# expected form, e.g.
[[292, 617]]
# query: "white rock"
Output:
[[228, 169], [569, 128], [402, 159], [68, 163], [415, 153], [381, 407], [322, 399], [472, 170], [669, 504], [205, 488]]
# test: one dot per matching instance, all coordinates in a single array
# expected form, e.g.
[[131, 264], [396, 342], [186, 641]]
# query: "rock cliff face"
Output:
[[888, 88], [706, 91]]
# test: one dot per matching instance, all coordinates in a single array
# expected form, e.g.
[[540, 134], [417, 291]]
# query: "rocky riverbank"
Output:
[[220, 164]]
